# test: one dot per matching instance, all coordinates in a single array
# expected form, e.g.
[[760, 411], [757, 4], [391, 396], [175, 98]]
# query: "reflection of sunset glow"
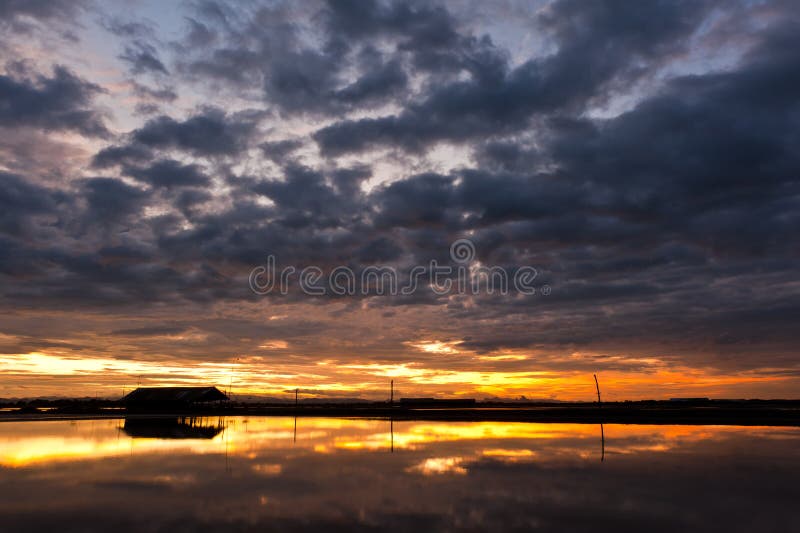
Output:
[[508, 453], [440, 465], [420, 433], [38, 443], [268, 469], [90, 443]]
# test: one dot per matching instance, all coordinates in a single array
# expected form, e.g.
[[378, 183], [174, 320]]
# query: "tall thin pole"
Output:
[[391, 392], [597, 385], [295, 396]]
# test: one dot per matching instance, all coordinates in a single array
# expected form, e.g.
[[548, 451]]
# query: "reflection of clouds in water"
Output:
[[481, 476], [509, 454], [268, 469], [26, 443], [439, 465]]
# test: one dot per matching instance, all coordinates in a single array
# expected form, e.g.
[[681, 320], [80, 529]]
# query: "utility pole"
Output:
[[391, 392], [295, 396]]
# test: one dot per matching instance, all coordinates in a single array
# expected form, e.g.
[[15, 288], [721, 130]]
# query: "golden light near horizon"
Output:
[[108, 377]]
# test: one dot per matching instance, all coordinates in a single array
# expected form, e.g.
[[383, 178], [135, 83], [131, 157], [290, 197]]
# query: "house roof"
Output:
[[175, 394]]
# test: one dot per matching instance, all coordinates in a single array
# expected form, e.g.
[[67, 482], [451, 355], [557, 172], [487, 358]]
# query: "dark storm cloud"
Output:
[[377, 83], [121, 155], [426, 34], [474, 199], [61, 101], [190, 200], [418, 200], [20, 200], [306, 201], [344, 71], [110, 200], [347, 181], [598, 44], [278, 151], [711, 158], [149, 331], [169, 173], [416, 22], [211, 132], [306, 80], [508, 156]]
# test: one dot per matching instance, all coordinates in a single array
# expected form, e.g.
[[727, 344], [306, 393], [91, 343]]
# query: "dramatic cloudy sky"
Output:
[[641, 156]]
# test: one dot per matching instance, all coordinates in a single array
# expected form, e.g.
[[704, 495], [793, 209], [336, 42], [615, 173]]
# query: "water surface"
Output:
[[282, 474]]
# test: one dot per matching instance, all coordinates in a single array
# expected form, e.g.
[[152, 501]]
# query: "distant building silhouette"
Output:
[[437, 402], [160, 398], [688, 399]]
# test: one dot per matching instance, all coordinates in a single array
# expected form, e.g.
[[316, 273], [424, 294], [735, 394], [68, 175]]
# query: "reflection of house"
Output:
[[160, 398], [170, 428]]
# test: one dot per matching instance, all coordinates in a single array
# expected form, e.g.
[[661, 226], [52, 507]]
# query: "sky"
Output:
[[638, 161]]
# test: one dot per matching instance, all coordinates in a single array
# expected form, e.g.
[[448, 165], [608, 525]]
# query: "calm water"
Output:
[[264, 474]]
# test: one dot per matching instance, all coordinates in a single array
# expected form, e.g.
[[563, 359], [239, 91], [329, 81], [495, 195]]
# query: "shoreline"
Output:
[[743, 414]]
